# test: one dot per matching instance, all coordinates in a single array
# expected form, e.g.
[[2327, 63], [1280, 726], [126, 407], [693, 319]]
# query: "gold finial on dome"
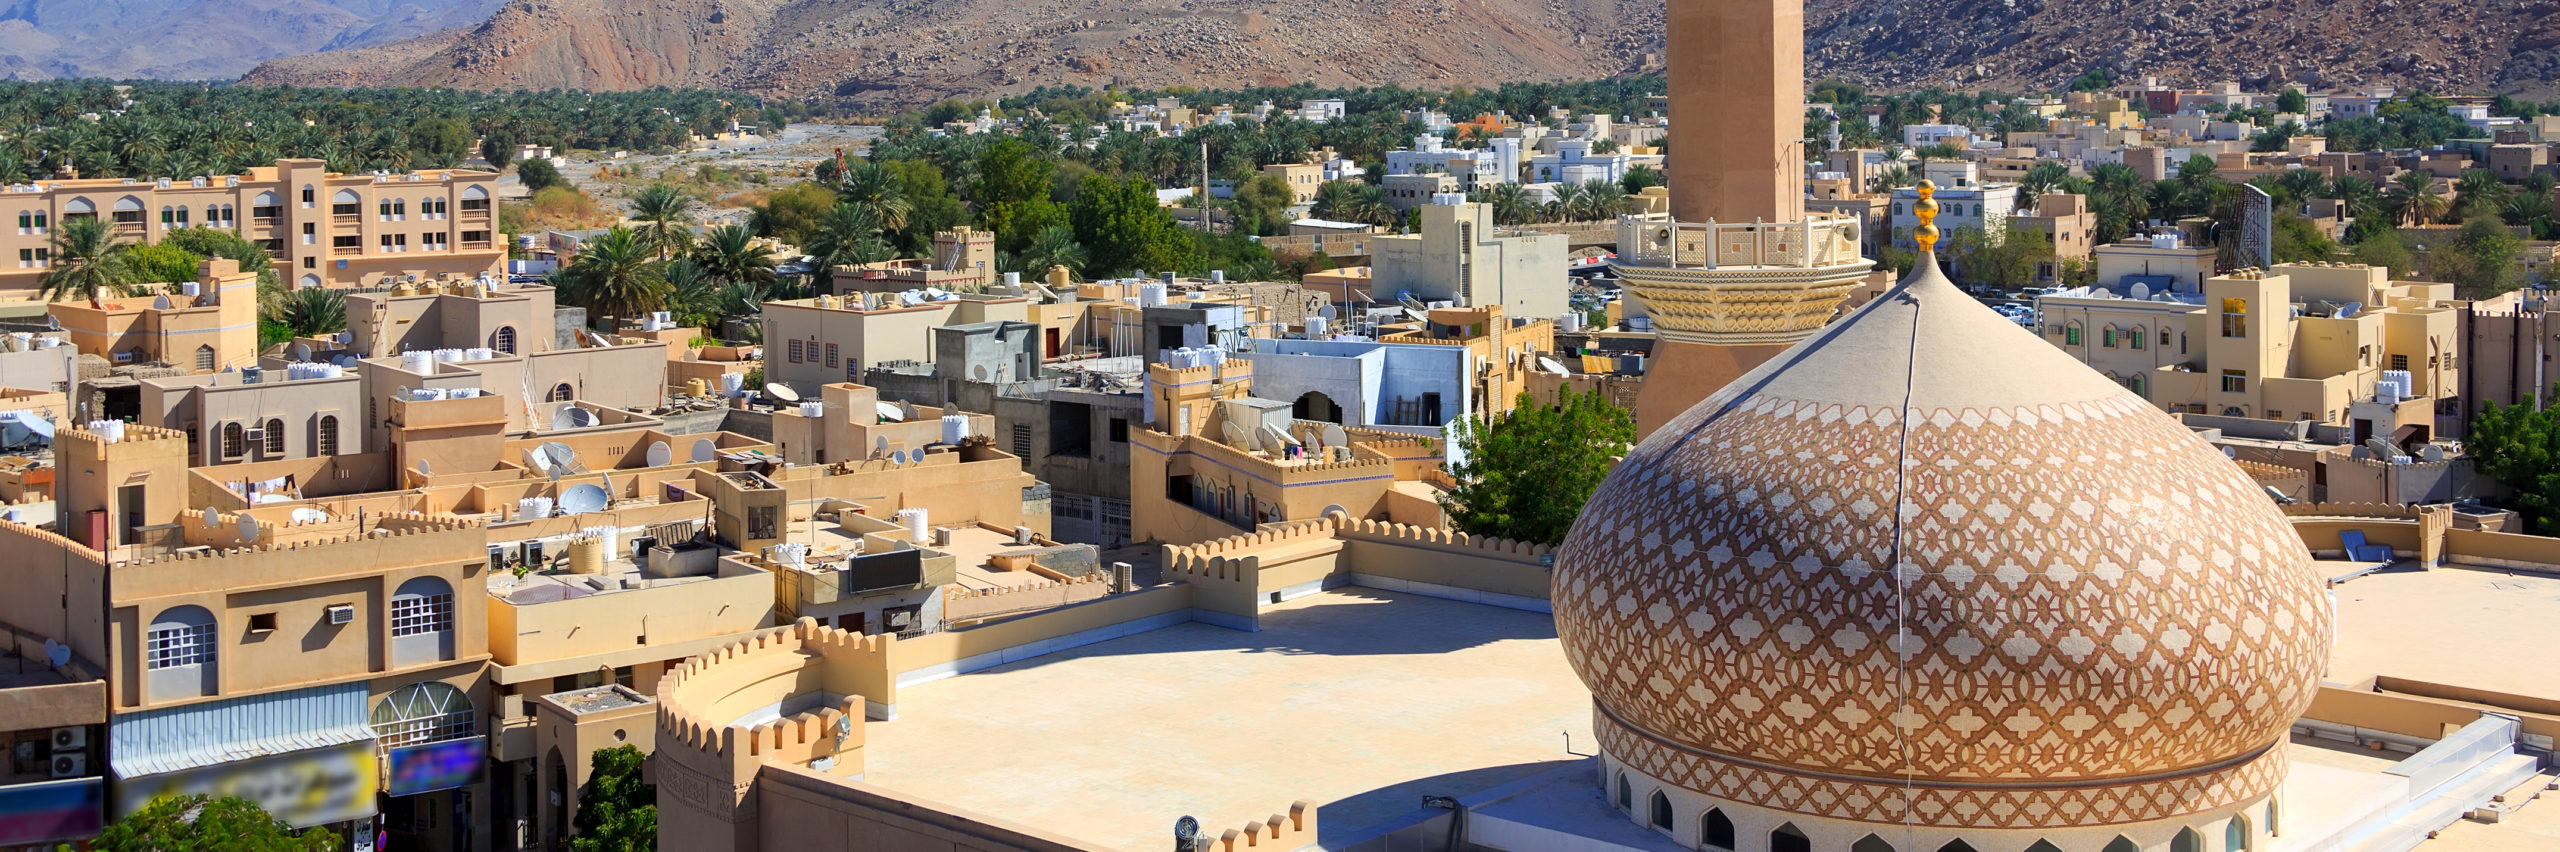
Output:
[[1927, 210]]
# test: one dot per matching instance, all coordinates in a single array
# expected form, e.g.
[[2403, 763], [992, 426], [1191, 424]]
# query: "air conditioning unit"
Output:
[[70, 765], [253, 435], [73, 738], [342, 614]]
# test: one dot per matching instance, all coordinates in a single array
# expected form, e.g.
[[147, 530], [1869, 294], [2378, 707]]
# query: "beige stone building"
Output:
[[209, 325], [809, 343], [1460, 256], [2063, 218], [2293, 342], [323, 228]]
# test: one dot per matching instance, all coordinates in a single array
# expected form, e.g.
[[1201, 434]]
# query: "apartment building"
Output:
[[1461, 256], [1475, 168], [2295, 342], [828, 339], [2065, 220], [323, 228], [1964, 199], [1213, 460], [1302, 178], [205, 325]]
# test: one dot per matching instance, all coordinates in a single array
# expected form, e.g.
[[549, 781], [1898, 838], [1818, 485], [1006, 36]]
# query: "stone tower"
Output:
[[1736, 72]]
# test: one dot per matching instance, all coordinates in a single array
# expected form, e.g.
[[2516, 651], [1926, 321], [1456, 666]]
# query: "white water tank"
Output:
[[813, 410], [918, 529], [954, 428], [1315, 328], [1569, 323], [1151, 295], [418, 361]]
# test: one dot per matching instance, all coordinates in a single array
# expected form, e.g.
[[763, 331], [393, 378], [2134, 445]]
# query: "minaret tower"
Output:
[[1738, 272]]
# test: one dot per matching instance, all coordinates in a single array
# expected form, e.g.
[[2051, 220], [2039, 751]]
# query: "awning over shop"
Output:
[[307, 755]]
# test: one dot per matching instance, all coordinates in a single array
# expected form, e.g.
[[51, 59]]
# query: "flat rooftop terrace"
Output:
[[2473, 627], [1359, 700]]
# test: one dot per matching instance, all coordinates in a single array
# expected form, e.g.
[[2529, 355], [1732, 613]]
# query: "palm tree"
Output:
[[2043, 177], [2420, 200], [876, 190], [1603, 199], [1511, 204], [692, 295], [87, 262], [2119, 182], [732, 256], [2359, 194], [614, 276], [2481, 186], [1567, 203], [847, 236], [1054, 246], [663, 211], [308, 312]]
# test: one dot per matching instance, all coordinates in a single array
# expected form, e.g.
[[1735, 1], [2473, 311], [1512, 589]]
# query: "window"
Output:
[[2187, 841], [345, 203], [274, 246], [266, 208], [504, 340], [475, 238], [2235, 381], [349, 242], [2139, 338], [562, 393], [2235, 317], [310, 233], [1715, 830], [1789, 838], [794, 351], [1626, 794], [1659, 807], [475, 199], [2141, 385], [425, 712], [275, 437], [2399, 362], [262, 622], [2071, 334], [231, 440], [760, 522], [128, 211], [328, 434], [182, 637], [414, 614], [2107, 337], [2235, 835], [1120, 430], [1871, 843], [831, 356], [307, 195]]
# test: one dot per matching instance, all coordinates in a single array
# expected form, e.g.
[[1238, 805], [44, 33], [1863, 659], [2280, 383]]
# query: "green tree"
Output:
[[307, 312], [790, 212], [2420, 200], [498, 146], [732, 256], [2292, 101], [2480, 260], [663, 212], [211, 242], [538, 175], [1526, 476], [1054, 246], [2383, 248], [878, 191], [2007, 263], [1012, 193], [617, 812], [1120, 223], [1264, 199], [1640, 177], [613, 276], [215, 825], [157, 263], [848, 236], [87, 262], [2299, 241], [931, 206], [439, 141]]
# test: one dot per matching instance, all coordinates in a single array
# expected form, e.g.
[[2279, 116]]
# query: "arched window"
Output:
[[346, 203], [1871, 843], [2043, 846], [204, 359], [128, 211], [231, 441], [425, 712], [1314, 405], [2122, 844], [422, 622], [79, 207], [2188, 840], [2234, 411], [2141, 385], [1788, 838], [1956, 846], [275, 437], [1715, 831], [1626, 794], [328, 442], [1659, 807], [310, 281], [310, 195], [2275, 828], [2141, 337], [562, 393], [178, 653], [2235, 835], [2071, 334], [475, 198], [2107, 336], [504, 339]]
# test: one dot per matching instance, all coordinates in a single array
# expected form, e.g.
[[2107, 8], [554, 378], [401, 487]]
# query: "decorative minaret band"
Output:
[[1927, 210]]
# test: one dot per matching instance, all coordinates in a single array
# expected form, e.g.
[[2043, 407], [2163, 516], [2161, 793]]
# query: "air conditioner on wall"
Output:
[[70, 765], [342, 614], [72, 738]]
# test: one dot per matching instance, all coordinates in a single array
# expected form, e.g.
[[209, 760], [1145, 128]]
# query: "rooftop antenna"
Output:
[[248, 529]]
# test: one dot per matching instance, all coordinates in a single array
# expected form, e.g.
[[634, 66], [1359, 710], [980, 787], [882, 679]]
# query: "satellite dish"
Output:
[[581, 499], [248, 529], [703, 450], [581, 418], [307, 515], [562, 458], [2141, 291], [1186, 830], [302, 352], [2431, 452], [212, 518], [533, 458], [900, 457], [58, 655], [659, 454], [160, 302], [1236, 435], [781, 392], [424, 469], [1334, 436], [1549, 365], [562, 419], [1325, 312], [906, 411], [880, 446], [891, 413], [1275, 440], [343, 359]]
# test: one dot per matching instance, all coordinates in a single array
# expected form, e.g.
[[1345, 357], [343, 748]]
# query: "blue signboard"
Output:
[[437, 766], [52, 811]]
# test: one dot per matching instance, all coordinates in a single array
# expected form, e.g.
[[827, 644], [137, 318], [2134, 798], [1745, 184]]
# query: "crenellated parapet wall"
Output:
[[1442, 538], [418, 541], [1269, 536], [960, 603], [1293, 830], [2351, 510], [708, 759]]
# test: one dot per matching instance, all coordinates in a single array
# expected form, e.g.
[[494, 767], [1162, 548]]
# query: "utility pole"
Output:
[[1204, 186]]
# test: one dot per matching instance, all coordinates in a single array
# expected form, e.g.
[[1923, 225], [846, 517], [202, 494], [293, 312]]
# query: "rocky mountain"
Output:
[[890, 53], [204, 39]]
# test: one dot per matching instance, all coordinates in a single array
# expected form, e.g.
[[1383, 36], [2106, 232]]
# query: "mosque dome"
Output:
[[2094, 616]]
